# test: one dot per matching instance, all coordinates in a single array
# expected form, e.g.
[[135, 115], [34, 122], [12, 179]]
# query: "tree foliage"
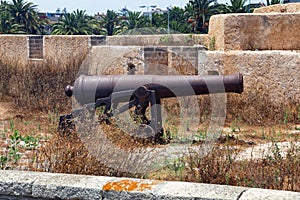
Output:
[[273, 2], [202, 11], [110, 22], [19, 16], [76, 23], [236, 6]]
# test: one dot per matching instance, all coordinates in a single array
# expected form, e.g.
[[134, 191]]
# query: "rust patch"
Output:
[[129, 185]]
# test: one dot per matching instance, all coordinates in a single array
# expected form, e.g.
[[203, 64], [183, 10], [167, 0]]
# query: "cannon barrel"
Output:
[[87, 89]]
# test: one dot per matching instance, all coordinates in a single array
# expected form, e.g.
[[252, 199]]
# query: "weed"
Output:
[[166, 39], [38, 86], [201, 135], [11, 124], [298, 114], [235, 126], [212, 43], [177, 166], [16, 144], [276, 152], [286, 118], [252, 46]]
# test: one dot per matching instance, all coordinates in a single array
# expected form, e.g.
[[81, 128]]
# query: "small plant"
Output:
[[201, 135], [178, 166], [166, 39], [252, 46], [11, 124], [286, 118], [298, 116], [212, 43], [235, 126], [276, 152], [12, 153]]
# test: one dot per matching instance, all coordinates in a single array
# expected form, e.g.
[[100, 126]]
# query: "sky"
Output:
[[94, 6]]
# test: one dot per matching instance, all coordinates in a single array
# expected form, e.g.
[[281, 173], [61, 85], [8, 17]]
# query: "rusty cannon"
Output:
[[142, 91]]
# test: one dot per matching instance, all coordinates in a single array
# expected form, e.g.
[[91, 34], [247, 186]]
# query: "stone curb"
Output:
[[41, 185]]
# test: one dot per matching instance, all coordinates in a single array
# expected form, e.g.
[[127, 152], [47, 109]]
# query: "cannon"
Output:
[[140, 91]]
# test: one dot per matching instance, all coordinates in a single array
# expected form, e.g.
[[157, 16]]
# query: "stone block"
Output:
[[279, 8], [271, 81], [254, 193], [257, 31], [158, 40], [35, 185], [13, 48], [63, 50]]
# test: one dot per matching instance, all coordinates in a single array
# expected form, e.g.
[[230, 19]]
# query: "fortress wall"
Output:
[[255, 31], [14, 48]]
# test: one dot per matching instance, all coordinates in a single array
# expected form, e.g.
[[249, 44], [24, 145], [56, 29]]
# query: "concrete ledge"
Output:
[[36, 185]]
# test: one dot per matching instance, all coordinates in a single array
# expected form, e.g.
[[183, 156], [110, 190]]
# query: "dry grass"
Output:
[[220, 166], [37, 86], [260, 110], [93, 152]]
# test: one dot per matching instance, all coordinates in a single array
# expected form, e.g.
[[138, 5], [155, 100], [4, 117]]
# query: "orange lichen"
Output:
[[129, 185]]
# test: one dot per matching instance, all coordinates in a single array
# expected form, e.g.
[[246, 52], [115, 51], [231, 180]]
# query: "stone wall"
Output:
[[14, 47], [271, 82], [158, 40], [162, 60], [279, 8], [62, 50], [172, 60], [276, 73], [255, 31]]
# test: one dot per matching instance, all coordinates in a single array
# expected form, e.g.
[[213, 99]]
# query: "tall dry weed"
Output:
[[220, 166], [38, 86]]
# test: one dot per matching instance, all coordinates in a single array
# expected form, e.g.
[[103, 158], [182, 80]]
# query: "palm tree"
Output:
[[24, 14], [189, 14], [110, 22], [236, 6], [6, 27], [178, 20], [133, 20], [75, 23], [272, 2], [178, 27], [203, 10]]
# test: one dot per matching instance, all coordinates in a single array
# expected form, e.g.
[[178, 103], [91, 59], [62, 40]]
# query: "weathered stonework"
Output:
[[158, 40], [273, 72], [162, 60], [113, 60], [279, 8], [14, 48], [61, 49], [64, 49], [271, 81], [255, 31]]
